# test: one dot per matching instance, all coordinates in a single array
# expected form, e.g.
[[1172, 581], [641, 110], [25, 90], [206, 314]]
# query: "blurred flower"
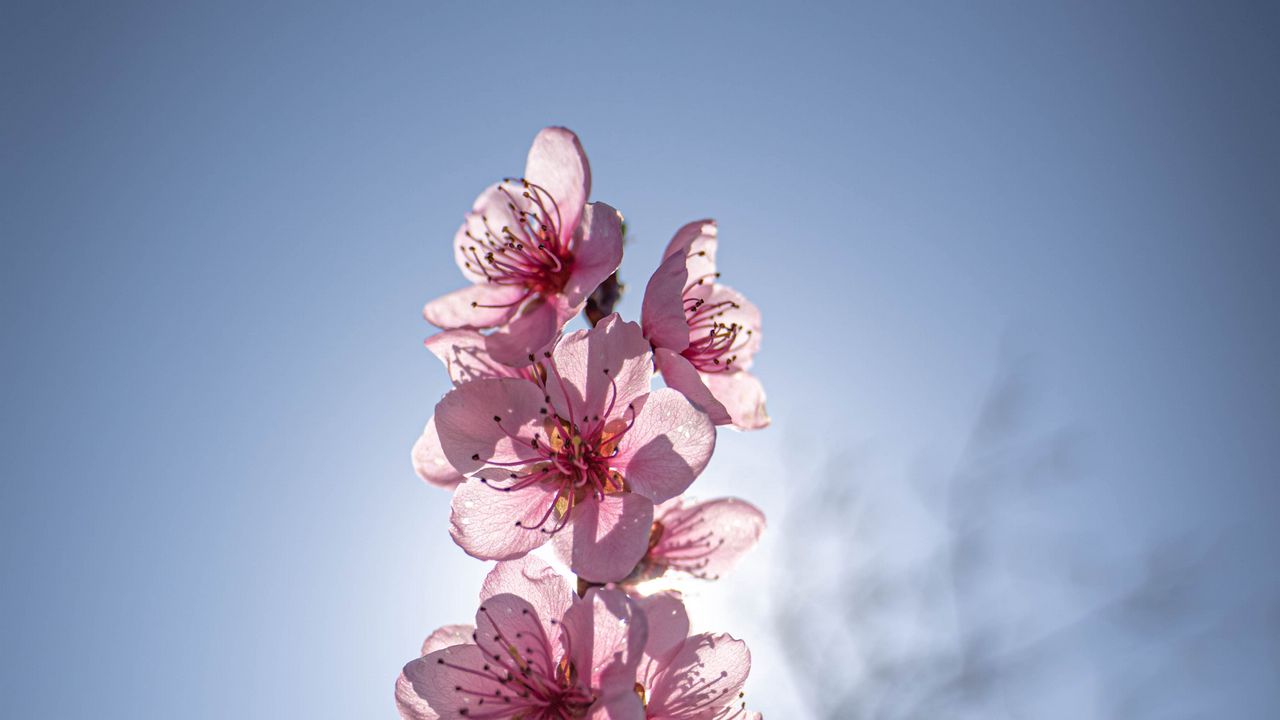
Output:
[[534, 250], [704, 334], [703, 539], [588, 451]]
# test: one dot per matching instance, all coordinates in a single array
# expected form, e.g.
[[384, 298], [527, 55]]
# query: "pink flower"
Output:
[[704, 334], [588, 455], [702, 539], [689, 677], [536, 651], [534, 250], [465, 358]]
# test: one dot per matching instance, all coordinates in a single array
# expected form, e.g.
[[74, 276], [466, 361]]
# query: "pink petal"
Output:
[[535, 581], [429, 460], [530, 332], [742, 395], [465, 357], [508, 625], [447, 636], [609, 364], [696, 241], [679, 373], [663, 313], [622, 706], [609, 537], [607, 633], [667, 447], [484, 519], [475, 306], [409, 703], [597, 253], [706, 538], [668, 623], [705, 675], [470, 437], [453, 679], [559, 165]]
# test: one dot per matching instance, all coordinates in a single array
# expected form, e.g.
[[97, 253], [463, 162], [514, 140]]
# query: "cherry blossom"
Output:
[[536, 651], [588, 451], [534, 250], [689, 677], [704, 334], [701, 539]]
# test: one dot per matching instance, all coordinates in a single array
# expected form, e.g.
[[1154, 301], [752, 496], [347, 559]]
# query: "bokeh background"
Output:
[[1018, 267]]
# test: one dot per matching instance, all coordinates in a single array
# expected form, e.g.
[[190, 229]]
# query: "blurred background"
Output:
[[1018, 273]]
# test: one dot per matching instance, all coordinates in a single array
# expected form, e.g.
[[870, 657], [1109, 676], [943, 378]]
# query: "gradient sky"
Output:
[[219, 225]]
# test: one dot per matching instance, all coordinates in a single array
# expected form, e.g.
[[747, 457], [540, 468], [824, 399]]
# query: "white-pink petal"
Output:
[[667, 447]]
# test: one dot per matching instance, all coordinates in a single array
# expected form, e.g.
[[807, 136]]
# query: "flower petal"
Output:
[[453, 679], [679, 373], [697, 242], [622, 706], [607, 633], [513, 637], [704, 676], [466, 358], [742, 395], [706, 538], [447, 636], [470, 436], [668, 623], [492, 524], [535, 581], [662, 314], [429, 460], [558, 164], [609, 364], [531, 331], [667, 446], [409, 703], [475, 306], [607, 538], [597, 253]]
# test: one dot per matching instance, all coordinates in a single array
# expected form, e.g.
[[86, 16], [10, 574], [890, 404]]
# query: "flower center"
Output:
[[713, 344], [574, 457], [529, 254]]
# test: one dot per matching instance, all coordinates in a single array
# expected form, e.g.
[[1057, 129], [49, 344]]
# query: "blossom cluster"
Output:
[[560, 438]]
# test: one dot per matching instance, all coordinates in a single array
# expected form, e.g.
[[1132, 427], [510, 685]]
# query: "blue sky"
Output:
[[219, 225]]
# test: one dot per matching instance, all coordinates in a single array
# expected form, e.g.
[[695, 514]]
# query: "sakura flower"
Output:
[[534, 251], [537, 651], [588, 452], [689, 677], [465, 357], [704, 334], [702, 539]]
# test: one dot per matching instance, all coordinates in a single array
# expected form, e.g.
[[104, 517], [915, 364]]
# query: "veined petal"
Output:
[[489, 421], [680, 374], [531, 331], [609, 364], [447, 636], [703, 677], [607, 633], [706, 538], [668, 445], [662, 314], [475, 306], [597, 253], [742, 395], [607, 538], [429, 460], [466, 358], [668, 623], [492, 524], [536, 582], [558, 164], [621, 706]]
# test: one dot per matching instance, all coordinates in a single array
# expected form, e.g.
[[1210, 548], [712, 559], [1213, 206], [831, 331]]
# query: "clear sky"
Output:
[[219, 225]]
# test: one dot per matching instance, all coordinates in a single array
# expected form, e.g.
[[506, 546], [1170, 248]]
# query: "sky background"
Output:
[[1018, 274]]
